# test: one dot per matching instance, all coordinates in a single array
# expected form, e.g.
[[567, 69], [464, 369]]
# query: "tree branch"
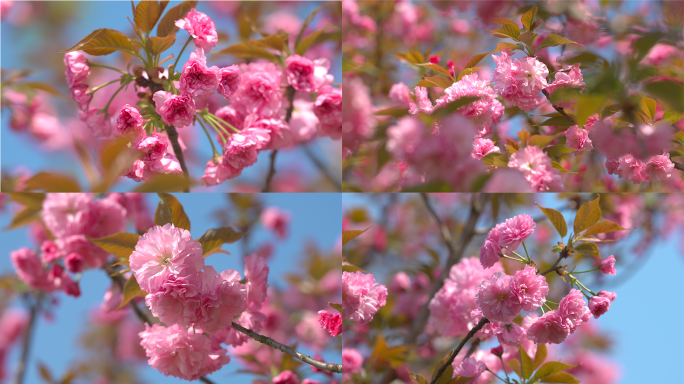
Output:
[[26, 343], [456, 251], [271, 172], [555, 265], [321, 167], [455, 352], [173, 136], [558, 109], [330, 367], [289, 94], [678, 166]]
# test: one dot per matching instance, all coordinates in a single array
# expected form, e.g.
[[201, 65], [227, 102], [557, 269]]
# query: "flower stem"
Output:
[[529, 259], [173, 69], [208, 137], [93, 90], [106, 107], [108, 67]]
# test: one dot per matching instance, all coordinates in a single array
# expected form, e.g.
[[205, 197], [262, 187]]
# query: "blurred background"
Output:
[[622, 346], [304, 276], [34, 32]]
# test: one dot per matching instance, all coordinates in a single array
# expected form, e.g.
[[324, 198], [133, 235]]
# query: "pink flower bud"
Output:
[[608, 265], [599, 305], [497, 351], [434, 59], [74, 263], [286, 377], [50, 252], [201, 28]]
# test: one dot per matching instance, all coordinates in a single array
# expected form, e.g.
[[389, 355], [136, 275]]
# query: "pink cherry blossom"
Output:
[[659, 54], [275, 220], [74, 263], [496, 299], [201, 28], [249, 319], [259, 90], [536, 166], [93, 256], [256, 274], [659, 168], [77, 69], [216, 173], [108, 217], [177, 300], [608, 265], [328, 109], [176, 110], [490, 251], [303, 123], [98, 123], [129, 122], [578, 138], [175, 351], [154, 158], [285, 377], [241, 151], [29, 269], [49, 252], [67, 213], [530, 288], [358, 121], [12, 325], [515, 230], [309, 331], [470, 368], [483, 147], [198, 80], [550, 328], [574, 309], [610, 295], [229, 81], [510, 334], [162, 252], [276, 132], [399, 94], [351, 360], [362, 296], [306, 75], [486, 111], [599, 305], [223, 298], [330, 322], [80, 93], [570, 78], [112, 299], [520, 81]]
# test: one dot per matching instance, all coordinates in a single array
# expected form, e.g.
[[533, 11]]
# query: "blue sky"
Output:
[[20, 150], [643, 321], [315, 218]]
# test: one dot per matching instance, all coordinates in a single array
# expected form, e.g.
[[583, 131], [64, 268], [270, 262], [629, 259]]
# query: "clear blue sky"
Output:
[[315, 218], [19, 150], [644, 320]]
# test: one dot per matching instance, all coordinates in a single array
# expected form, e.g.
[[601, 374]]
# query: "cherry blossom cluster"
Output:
[[362, 296], [196, 304]]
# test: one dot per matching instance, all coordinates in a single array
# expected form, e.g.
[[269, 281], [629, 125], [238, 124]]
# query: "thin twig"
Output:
[[330, 367], [173, 136], [321, 167], [678, 166], [455, 352], [473, 347], [555, 265], [456, 251], [289, 94], [271, 171], [26, 343], [559, 109]]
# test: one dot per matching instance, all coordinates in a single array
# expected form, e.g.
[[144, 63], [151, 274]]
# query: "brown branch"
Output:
[[473, 347], [271, 172], [558, 109], [26, 343], [555, 265], [289, 94], [455, 352], [173, 136], [678, 166], [456, 251], [321, 167], [330, 367]]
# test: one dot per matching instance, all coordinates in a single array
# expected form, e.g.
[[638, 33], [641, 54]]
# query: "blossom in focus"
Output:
[[201, 28], [520, 81], [229, 81], [550, 328], [330, 322], [487, 111], [306, 75], [198, 80], [530, 288], [497, 300], [362, 296], [129, 122], [536, 166], [176, 110]]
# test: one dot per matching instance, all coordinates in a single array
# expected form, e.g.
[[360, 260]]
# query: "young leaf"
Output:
[[164, 182], [587, 215], [349, 267], [528, 38], [29, 200], [215, 238], [271, 41], [146, 15], [50, 182], [476, 59], [550, 368], [560, 377], [337, 307], [541, 141], [603, 227], [540, 356], [557, 150], [157, 45], [392, 111], [524, 136], [130, 290], [102, 42], [648, 106], [120, 244], [557, 219], [559, 167], [309, 40], [351, 234], [439, 81], [507, 45], [526, 363], [589, 249], [515, 366], [528, 18], [24, 217], [496, 159], [467, 71], [167, 25], [553, 40], [501, 20], [436, 67], [558, 121], [171, 211], [418, 378], [307, 22], [507, 31], [247, 50]]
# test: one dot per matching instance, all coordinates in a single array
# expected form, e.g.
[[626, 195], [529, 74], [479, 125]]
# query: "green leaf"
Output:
[[672, 117], [120, 244], [50, 182], [45, 373], [526, 363], [29, 200], [557, 150], [164, 182], [507, 45], [349, 267], [383, 156], [308, 21], [476, 59], [644, 44], [496, 159], [558, 221], [436, 81], [589, 249], [557, 121], [559, 167], [435, 67], [587, 215], [102, 42], [560, 377], [171, 211], [528, 38], [507, 30], [648, 106], [669, 92], [24, 217], [541, 141], [351, 234], [146, 15], [458, 103], [603, 227], [550, 368], [393, 111], [553, 40], [157, 45], [528, 18], [130, 290], [467, 71], [41, 86], [215, 238], [274, 41], [540, 356], [418, 378], [247, 50], [515, 366], [309, 40], [337, 307], [610, 110], [501, 20], [167, 25]]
